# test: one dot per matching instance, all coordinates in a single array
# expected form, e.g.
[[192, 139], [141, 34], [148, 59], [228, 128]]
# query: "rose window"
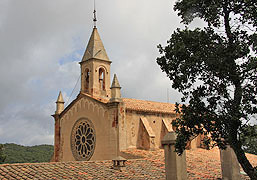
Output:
[[83, 140]]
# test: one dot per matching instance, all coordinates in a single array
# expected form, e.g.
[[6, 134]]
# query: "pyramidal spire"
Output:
[[59, 104], [95, 48], [115, 90], [115, 82], [60, 98]]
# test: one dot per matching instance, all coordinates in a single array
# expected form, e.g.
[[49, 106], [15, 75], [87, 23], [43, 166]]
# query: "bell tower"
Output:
[[95, 68]]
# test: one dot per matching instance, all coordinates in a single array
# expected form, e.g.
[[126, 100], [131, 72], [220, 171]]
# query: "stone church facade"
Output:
[[99, 123]]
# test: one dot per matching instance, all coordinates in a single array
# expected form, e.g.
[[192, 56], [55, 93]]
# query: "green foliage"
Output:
[[28, 154], [2, 155], [215, 69], [250, 140]]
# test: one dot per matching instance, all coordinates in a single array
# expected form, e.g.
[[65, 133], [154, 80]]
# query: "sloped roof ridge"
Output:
[[79, 96], [149, 106], [149, 101]]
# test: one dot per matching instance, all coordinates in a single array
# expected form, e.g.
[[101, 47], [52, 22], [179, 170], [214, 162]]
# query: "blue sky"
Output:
[[43, 41]]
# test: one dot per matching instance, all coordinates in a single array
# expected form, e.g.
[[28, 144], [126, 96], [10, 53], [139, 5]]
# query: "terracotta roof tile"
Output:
[[78, 170], [201, 164], [135, 104], [149, 106]]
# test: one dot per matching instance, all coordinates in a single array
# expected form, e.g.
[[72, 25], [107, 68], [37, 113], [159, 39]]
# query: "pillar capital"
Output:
[[169, 138]]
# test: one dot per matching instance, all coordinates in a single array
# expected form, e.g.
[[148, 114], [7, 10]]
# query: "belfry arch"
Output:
[[101, 78], [87, 76]]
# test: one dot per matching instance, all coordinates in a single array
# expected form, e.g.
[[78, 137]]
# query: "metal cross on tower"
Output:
[[94, 19]]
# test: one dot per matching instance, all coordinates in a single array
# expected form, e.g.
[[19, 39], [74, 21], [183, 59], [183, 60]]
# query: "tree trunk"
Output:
[[242, 159]]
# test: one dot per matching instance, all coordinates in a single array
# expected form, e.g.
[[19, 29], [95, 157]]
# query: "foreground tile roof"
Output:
[[135, 169], [201, 164], [149, 106]]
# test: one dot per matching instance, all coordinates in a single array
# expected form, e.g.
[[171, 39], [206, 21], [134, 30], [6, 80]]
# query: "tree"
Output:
[[215, 69], [27, 154], [2, 156], [250, 142]]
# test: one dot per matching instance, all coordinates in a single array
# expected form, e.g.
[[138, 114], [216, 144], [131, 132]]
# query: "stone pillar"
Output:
[[122, 126], [229, 164], [59, 110], [175, 166], [113, 145], [56, 138]]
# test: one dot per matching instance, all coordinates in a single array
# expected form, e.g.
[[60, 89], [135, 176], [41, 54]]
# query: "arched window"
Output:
[[87, 80], [102, 78]]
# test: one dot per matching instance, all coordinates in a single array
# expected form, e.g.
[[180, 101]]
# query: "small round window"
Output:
[[83, 140]]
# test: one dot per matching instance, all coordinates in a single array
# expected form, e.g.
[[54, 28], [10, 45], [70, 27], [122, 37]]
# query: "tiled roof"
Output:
[[149, 106], [136, 169], [201, 164], [136, 104]]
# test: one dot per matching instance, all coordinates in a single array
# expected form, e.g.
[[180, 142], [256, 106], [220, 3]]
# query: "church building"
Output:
[[99, 123]]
